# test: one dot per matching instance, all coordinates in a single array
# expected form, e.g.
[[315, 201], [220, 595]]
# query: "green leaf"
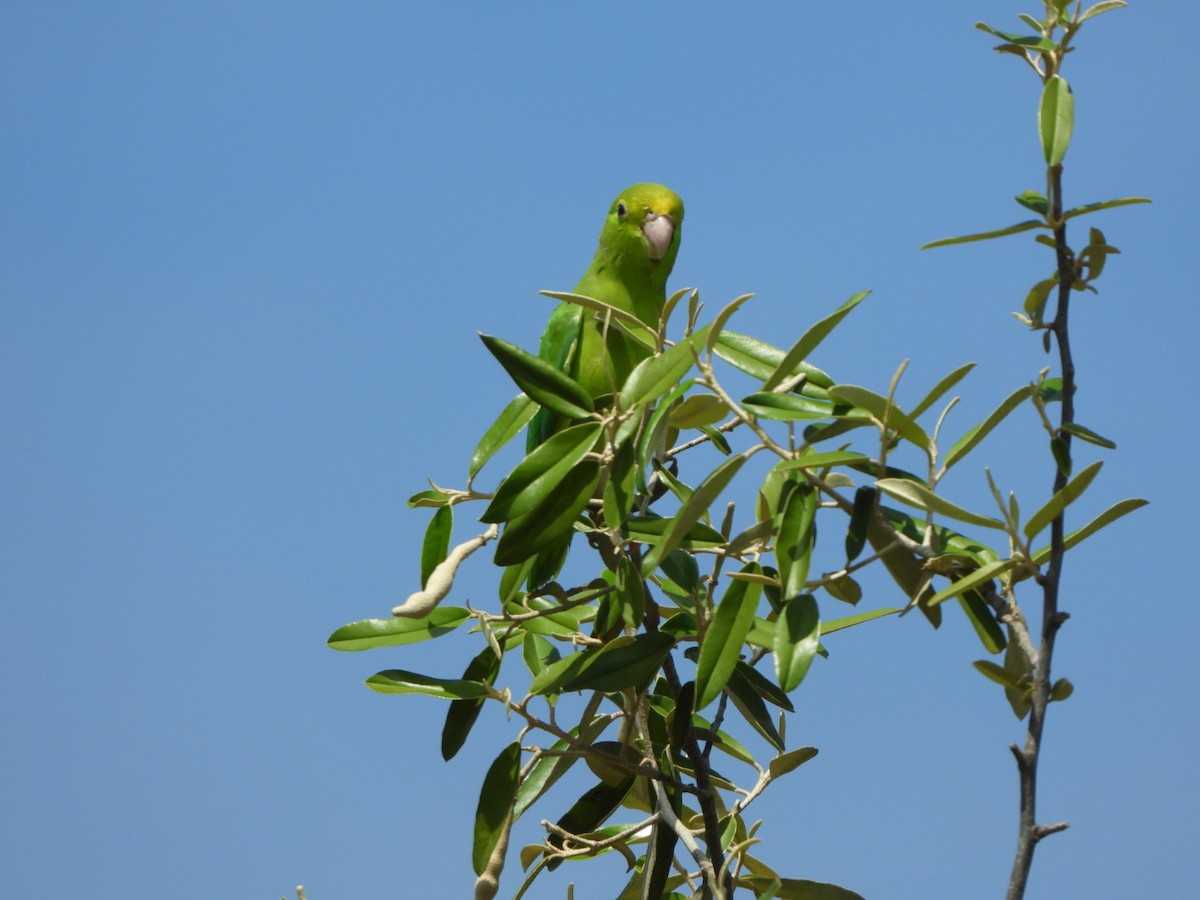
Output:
[[1103, 204], [797, 636], [857, 619], [537, 653], [541, 472], [653, 530], [551, 519], [1061, 500], [800, 889], [682, 569], [1035, 300], [461, 716], [398, 681], [1101, 7], [760, 360], [718, 324], [971, 439], [549, 768], [1056, 119], [796, 537], [810, 340], [697, 410], [983, 620], [655, 375], [1024, 41], [436, 544], [1114, 512], [883, 411], [370, 633], [691, 511], [940, 388], [624, 662], [724, 637], [430, 499], [860, 520], [923, 498], [495, 804], [1034, 201], [792, 759], [635, 327], [750, 705], [508, 425], [811, 459], [590, 811], [986, 235], [763, 686], [786, 407], [972, 580], [541, 380], [1086, 434]]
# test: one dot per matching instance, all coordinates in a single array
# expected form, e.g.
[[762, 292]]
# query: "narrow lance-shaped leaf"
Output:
[[1056, 504], [1114, 512], [495, 804], [972, 580], [590, 811], [461, 716], [541, 472], [795, 539], [810, 340], [368, 634], [552, 519], [398, 681], [923, 498], [724, 637], [691, 511], [436, 544], [508, 425], [971, 439], [1028, 225], [540, 380]]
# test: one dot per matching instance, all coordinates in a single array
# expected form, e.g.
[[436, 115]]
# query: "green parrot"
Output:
[[638, 246]]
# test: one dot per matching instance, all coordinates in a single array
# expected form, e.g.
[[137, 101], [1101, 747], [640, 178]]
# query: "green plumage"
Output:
[[638, 246]]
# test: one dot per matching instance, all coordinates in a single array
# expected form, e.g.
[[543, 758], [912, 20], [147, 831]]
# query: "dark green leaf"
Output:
[[724, 637], [761, 360], [655, 375], [860, 518], [1086, 434], [764, 687], [547, 770], [883, 411], [495, 804], [541, 472], [786, 407], [551, 520], [796, 537], [983, 620], [541, 380], [698, 410], [624, 662], [590, 812], [461, 716], [653, 529], [750, 705], [437, 541], [797, 636]]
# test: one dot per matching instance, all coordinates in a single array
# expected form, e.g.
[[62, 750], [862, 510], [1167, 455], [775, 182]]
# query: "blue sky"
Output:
[[244, 251]]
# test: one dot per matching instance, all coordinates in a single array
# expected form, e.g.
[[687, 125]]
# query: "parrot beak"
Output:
[[659, 229]]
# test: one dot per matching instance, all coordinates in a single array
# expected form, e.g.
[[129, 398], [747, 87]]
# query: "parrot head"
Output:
[[643, 228]]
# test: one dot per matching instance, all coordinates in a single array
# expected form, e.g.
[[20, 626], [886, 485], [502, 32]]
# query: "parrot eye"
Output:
[[621, 211]]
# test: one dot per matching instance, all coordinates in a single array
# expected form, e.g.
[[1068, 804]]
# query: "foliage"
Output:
[[697, 615]]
